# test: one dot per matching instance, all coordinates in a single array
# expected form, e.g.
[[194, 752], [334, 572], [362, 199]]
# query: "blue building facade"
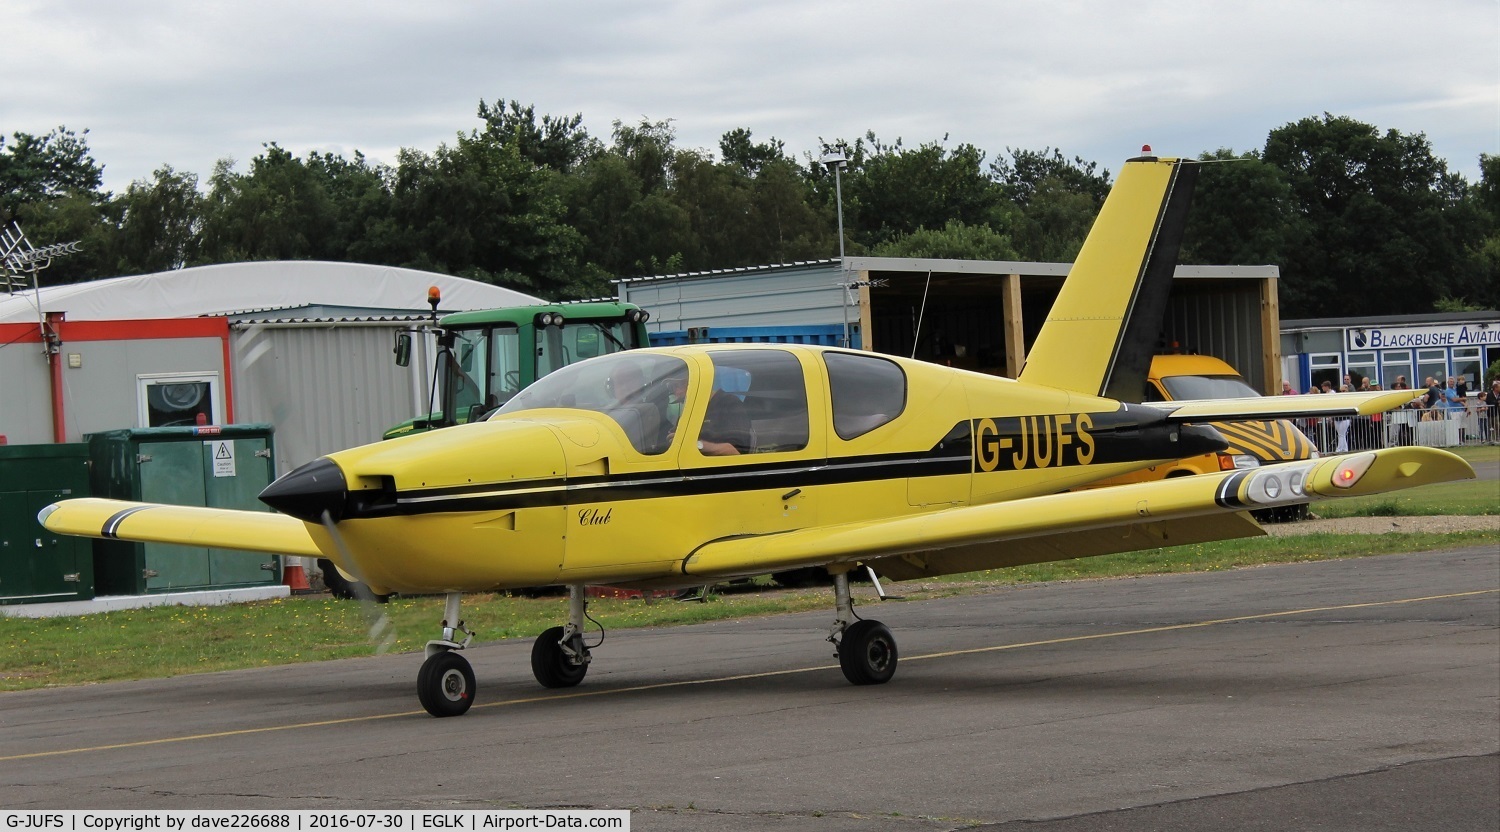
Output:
[[1390, 347]]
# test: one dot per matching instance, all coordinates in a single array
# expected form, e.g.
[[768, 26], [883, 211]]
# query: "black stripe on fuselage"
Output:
[[673, 483]]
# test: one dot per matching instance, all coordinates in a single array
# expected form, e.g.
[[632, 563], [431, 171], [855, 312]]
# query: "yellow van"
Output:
[[1251, 444]]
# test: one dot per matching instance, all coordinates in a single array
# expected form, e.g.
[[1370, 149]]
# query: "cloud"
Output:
[[186, 83]]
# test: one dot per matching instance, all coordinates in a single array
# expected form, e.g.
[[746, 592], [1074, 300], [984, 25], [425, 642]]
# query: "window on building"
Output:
[[1431, 363], [1361, 367], [1326, 367], [1466, 364], [178, 400], [1395, 366]]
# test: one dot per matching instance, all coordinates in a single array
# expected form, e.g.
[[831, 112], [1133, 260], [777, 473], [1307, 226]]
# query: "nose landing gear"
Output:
[[445, 684]]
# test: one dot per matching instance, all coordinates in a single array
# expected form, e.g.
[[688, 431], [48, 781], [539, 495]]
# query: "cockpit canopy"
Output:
[[757, 402]]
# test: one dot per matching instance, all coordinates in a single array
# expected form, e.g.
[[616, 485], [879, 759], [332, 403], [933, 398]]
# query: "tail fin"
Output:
[[1100, 335]]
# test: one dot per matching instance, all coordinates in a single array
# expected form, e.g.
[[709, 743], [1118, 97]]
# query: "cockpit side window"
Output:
[[759, 404], [642, 393], [866, 392]]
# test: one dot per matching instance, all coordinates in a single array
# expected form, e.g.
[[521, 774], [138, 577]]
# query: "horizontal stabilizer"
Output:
[[220, 528], [1286, 407]]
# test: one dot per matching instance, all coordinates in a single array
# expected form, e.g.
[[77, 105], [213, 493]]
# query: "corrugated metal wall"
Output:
[[1222, 320], [324, 387], [781, 296]]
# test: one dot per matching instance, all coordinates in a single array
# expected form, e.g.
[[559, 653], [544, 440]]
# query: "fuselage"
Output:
[[612, 471]]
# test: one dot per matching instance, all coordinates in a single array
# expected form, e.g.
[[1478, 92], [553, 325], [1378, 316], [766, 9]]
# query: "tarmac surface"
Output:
[[1358, 694]]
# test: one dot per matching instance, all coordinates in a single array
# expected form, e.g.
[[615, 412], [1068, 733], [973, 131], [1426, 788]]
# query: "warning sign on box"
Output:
[[223, 456]]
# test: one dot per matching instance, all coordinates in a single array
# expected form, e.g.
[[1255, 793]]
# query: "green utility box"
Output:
[[36, 565], [218, 467]]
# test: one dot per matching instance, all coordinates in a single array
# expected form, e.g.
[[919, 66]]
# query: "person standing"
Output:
[[1487, 412], [1462, 389]]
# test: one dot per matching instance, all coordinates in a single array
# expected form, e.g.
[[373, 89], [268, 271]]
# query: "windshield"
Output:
[[559, 347], [484, 370], [1186, 388], [642, 393]]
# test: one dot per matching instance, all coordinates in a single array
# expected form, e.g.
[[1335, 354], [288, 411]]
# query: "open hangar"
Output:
[[976, 314]]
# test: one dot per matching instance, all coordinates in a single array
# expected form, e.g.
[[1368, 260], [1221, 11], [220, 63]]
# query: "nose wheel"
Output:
[[445, 684]]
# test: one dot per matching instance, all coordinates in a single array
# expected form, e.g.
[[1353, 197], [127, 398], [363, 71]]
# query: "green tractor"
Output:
[[486, 357]]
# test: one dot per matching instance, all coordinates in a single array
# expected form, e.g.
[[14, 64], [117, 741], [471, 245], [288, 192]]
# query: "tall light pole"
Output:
[[835, 160]]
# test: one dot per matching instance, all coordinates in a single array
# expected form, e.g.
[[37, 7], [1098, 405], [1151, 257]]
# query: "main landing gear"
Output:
[[560, 658], [866, 649]]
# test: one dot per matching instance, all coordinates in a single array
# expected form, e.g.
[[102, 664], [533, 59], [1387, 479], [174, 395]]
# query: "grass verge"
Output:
[[1468, 497], [169, 641]]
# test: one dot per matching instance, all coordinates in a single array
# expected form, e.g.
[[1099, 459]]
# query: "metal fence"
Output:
[[1434, 428]]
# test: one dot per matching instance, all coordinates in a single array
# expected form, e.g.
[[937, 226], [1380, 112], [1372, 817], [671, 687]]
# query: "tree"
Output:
[[479, 209], [559, 143], [1022, 175], [1242, 213], [897, 191], [158, 223], [1057, 201], [279, 210], [750, 157], [34, 169], [1387, 226], [954, 241]]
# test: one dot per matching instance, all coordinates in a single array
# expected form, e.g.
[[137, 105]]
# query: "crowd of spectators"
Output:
[[1466, 419]]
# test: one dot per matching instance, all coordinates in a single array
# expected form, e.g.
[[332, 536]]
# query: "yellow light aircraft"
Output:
[[680, 466]]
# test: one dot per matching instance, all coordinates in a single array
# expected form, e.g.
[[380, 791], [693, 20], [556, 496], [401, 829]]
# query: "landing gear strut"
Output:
[[866, 649], [559, 658], [445, 684]]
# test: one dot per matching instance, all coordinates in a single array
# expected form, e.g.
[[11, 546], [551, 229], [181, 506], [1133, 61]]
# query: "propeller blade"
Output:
[[382, 631]]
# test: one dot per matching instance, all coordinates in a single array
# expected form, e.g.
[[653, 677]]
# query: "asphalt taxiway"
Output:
[[1351, 694]]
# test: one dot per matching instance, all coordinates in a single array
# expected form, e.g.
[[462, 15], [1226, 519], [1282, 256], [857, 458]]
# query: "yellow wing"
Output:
[[254, 531], [1078, 524]]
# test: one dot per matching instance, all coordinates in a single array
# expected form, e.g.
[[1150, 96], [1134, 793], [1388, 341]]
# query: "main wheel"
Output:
[[445, 684], [341, 587], [552, 667], [867, 653]]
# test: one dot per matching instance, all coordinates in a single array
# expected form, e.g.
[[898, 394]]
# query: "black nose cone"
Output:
[[309, 491]]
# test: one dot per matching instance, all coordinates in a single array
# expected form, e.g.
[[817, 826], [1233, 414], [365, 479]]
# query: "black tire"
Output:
[[550, 665], [341, 587], [445, 684], [867, 653], [802, 577]]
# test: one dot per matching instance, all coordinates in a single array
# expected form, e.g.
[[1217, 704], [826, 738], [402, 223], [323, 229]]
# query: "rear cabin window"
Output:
[[867, 392], [759, 402]]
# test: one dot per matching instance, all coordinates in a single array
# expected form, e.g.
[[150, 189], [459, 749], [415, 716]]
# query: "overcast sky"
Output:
[[187, 82]]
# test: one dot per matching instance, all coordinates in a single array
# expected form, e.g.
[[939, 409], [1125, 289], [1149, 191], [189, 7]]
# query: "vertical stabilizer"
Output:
[[1100, 335]]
